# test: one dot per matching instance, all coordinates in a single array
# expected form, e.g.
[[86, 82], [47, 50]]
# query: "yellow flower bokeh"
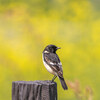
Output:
[[26, 27]]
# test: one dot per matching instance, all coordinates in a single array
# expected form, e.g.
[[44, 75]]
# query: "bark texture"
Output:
[[34, 90]]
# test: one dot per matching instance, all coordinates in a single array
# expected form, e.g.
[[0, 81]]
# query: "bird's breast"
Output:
[[49, 69]]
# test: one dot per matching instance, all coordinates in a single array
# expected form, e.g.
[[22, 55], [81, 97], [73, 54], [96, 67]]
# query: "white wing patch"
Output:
[[60, 64], [52, 63]]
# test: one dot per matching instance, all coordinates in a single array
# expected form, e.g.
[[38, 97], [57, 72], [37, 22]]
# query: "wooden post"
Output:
[[34, 90]]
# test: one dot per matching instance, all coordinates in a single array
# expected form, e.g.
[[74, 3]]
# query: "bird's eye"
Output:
[[50, 48]]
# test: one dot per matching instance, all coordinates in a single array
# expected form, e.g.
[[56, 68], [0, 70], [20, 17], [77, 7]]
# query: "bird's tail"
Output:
[[63, 83]]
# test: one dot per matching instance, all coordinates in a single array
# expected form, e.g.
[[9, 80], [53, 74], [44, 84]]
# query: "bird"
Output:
[[53, 64]]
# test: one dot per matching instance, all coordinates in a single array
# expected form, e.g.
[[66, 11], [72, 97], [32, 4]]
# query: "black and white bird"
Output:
[[52, 63]]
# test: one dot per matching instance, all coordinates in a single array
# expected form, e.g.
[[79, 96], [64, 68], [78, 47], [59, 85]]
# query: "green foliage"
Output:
[[27, 26]]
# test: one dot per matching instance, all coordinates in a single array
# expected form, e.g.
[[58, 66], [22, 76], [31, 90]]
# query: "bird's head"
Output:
[[51, 48]]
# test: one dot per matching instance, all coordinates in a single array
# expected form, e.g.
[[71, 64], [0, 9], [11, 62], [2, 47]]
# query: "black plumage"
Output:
[[53, 64]]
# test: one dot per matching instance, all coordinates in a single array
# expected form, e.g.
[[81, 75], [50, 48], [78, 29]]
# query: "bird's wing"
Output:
[[54, 62]]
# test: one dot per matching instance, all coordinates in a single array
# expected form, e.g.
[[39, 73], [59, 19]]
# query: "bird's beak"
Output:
[[58, 47]]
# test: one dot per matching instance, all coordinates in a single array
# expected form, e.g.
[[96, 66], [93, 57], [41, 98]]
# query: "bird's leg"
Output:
[[54, 78]]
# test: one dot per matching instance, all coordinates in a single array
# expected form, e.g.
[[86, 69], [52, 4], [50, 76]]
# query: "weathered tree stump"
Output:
[[34, 90]]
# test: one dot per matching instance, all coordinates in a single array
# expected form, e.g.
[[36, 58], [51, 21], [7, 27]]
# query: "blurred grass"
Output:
[[26, 27]]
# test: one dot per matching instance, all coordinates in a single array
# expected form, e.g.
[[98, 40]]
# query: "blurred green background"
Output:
[[27, 26]]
